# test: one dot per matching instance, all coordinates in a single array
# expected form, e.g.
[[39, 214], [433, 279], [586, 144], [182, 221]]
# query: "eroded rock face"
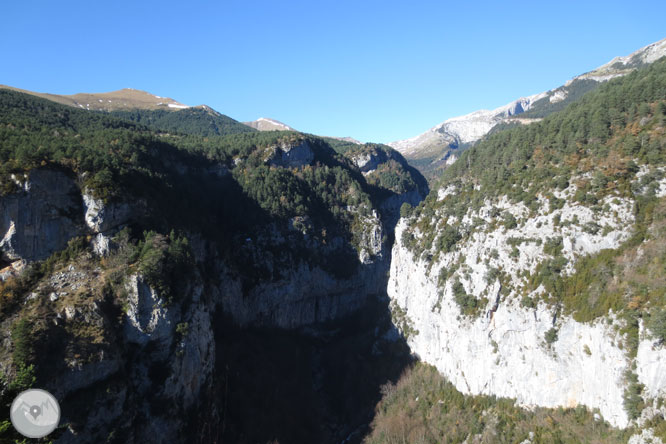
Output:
[[104, 220], [304, 297], [503, 351], [41, 218], [48, 211], [367, 162], [651, 364], [147, 317], [120, 378], [101, 217]]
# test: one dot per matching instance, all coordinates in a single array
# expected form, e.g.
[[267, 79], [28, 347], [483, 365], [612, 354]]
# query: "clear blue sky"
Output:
[[373, 70]]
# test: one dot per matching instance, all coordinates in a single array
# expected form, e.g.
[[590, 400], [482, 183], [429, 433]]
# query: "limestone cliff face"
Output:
[[536, 354], [306, 293], [503, 352], [104, 220], [290, 155], [41, 217], [50, 209]]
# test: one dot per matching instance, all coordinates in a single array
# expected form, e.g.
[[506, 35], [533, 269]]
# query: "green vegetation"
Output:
[[22, 379], [401, 320], [165, 262], [23, 351], [422, 407], [658, 325], [632, 400], [406, 210], [630, 279], [467, 303], [449, 237], [551, 336], [199, 121]]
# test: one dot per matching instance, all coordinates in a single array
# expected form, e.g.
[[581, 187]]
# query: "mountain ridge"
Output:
[[436, 148]]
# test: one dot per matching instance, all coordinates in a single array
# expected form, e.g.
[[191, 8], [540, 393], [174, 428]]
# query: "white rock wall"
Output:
[[504, 353], [651, 365]]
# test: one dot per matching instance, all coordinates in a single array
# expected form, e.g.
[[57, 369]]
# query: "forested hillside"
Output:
[[200, 121]]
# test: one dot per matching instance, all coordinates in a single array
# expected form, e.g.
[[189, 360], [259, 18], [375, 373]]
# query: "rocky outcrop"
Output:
[[290, 155], [102, 217], [104, 220], [147, 317], [120, 379], [368, 161], [48, 210]]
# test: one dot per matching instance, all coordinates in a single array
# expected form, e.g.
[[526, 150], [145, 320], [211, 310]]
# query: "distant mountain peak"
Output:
[[266, 124], [348, 139], [622, 65]]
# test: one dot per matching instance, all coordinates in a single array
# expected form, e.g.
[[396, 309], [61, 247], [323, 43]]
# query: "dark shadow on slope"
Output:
[[317, 385]]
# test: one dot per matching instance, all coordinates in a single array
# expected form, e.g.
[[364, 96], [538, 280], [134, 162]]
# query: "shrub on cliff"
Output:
[[165, 261], [657, 325]]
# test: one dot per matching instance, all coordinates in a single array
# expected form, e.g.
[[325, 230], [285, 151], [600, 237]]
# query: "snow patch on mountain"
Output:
[[472, 127], [266, 124], [620, 66], [466, 129]]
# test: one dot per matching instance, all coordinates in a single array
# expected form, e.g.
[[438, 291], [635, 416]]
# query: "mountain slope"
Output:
[[534, 268], [432, 151]]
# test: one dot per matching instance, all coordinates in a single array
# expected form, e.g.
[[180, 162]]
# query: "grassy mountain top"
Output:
[[158, 113], [122, 99]]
